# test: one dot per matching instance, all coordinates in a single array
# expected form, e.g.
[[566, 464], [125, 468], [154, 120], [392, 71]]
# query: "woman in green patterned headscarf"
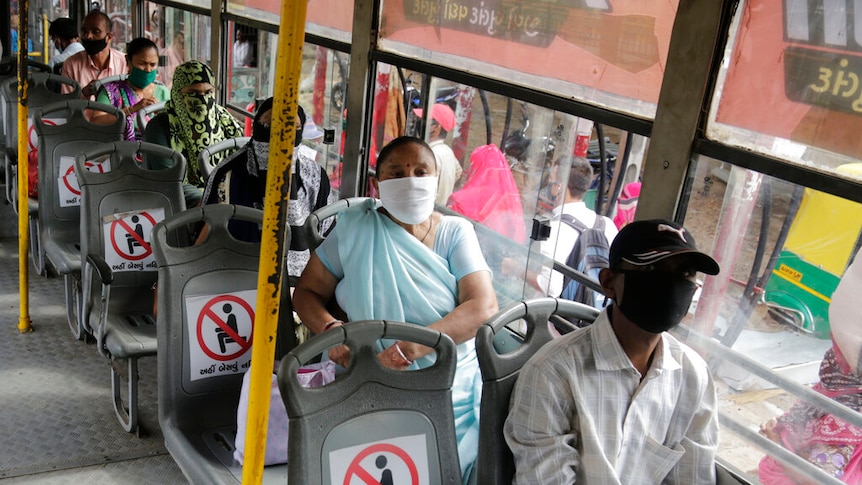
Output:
[[191, 122]]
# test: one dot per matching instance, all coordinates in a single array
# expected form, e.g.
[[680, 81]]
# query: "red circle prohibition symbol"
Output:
[[30, 133], [355, 469], [127, 230], [207, 311], [69, 172]]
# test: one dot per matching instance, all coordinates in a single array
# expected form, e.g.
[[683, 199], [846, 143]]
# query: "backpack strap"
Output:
[[599, 225], [575, 224]]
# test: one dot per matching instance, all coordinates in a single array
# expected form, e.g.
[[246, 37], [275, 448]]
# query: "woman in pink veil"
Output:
[[490, 196], [824, 440]]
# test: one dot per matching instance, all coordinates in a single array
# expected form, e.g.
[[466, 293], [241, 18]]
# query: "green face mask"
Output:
[[141, 79]]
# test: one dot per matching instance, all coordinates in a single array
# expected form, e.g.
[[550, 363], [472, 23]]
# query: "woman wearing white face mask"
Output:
[[406, 262]]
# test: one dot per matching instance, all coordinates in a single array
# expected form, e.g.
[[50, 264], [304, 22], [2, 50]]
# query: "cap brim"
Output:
[[702, 261]]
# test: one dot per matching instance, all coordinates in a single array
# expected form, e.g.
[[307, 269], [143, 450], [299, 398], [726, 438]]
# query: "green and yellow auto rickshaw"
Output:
[[823, 238]]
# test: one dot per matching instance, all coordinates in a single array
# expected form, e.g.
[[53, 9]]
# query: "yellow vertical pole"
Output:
[[288, 65], [23, 169]]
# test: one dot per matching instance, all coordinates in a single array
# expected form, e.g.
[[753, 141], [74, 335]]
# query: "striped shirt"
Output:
[[581, 414]]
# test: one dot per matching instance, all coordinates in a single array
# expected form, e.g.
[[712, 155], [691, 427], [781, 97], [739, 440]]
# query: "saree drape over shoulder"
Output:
[[390, 275]]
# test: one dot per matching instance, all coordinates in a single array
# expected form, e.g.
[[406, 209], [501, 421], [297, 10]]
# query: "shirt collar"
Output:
[[610, 355]]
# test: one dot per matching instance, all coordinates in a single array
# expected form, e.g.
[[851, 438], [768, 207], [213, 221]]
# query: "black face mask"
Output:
[[656, 301], [260, 132], [94, 46]]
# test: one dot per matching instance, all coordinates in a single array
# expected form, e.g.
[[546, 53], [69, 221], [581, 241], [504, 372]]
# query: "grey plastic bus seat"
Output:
[[312, 222], [98, 83], [59, 194], [43, 90], [230, 145], [197, 408], [118, 210], [495, 463], [370, 410], [9, 69], [145, 114]]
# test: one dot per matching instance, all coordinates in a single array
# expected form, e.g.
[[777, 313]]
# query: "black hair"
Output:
[[580, 174], [136, 46], [63, 28], [399, 142], [108, 22]]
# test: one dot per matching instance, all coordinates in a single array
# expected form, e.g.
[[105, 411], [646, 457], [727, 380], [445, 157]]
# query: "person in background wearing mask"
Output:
[[448, 167], [241, 179], [191, 122], [64, 35], [622, 401], [405, 262], [98, 60], [139, 90]]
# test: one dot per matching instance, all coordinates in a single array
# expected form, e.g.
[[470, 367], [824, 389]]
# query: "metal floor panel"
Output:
[[57, 419], [154, 470]]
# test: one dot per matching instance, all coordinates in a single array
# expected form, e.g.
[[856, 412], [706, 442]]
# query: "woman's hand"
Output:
[[340, 354], [393, 357], [768, 429], [141, 104]]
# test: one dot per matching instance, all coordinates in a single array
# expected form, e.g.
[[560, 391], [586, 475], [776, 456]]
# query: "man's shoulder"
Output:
[[687, 357], [118, 60], [565, 350], [77, 59], [440, 148]]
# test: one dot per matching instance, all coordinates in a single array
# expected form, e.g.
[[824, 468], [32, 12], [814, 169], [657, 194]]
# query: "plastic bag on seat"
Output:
[[311, 375]]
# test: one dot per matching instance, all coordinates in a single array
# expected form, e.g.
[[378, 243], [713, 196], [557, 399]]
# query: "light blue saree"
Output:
[[391, 275]]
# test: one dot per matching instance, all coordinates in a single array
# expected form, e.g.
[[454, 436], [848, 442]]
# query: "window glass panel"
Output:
[[180, 36], [120, 13], [327, 18], [323, 84], [774, 312], [506, 151], [321, 94], [607, 52], [791, 86]]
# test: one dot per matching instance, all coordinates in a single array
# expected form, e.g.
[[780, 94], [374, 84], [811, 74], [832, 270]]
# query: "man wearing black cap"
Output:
[[64, 35], [622, 401]]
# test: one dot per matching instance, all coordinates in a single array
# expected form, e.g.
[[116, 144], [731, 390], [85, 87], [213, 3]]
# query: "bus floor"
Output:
[[56, 418]]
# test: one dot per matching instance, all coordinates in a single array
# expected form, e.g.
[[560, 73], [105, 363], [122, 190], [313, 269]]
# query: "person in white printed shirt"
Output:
[[622, 401]]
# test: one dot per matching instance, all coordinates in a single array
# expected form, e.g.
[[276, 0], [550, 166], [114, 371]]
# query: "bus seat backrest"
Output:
[[118, 211], [43, 90], [230, 145], [98, 83], [63, 132], [312, 222], [500, 371], [145, 114], [405, 413], [204, 347]]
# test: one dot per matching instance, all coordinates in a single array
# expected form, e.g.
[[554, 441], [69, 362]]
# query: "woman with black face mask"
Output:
[[192, 121], [241, 179], [139, 90]]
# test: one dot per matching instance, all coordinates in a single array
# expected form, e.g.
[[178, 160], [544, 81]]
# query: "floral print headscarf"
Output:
[[196, 121]]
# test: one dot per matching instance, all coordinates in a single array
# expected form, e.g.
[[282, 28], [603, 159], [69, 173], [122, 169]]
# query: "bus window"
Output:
[[782, 249], [322, 90], [180, 36]]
